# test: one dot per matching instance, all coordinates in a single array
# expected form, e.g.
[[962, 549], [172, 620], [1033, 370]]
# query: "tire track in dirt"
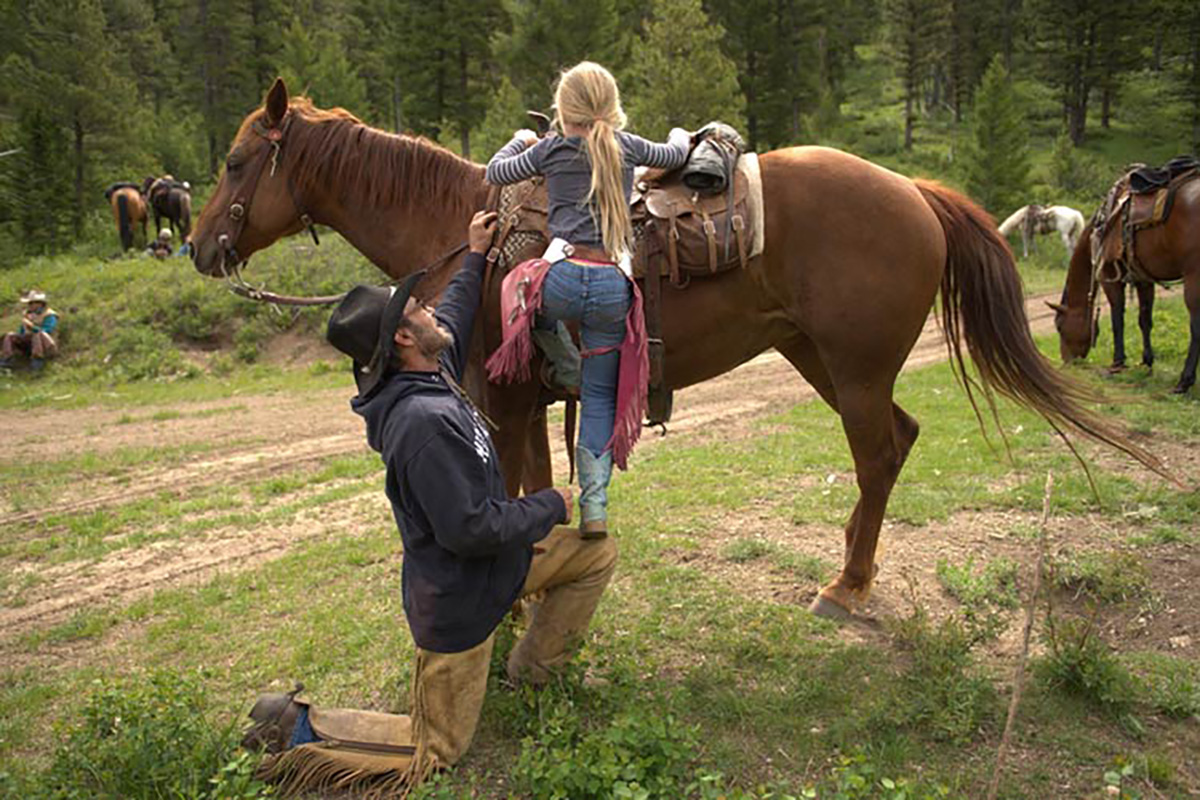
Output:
[[295, 431]]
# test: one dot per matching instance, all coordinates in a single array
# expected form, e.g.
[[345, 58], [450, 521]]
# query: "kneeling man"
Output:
[[470, 551]]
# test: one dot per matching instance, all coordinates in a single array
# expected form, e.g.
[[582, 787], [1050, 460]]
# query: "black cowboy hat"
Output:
[[363, 325]]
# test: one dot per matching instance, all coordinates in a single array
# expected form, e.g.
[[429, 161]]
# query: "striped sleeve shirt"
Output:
[[563, 161]]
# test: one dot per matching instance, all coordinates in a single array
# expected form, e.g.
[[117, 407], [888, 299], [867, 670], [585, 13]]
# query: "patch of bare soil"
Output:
[[1168, 620], [129, 573], [255, 436]]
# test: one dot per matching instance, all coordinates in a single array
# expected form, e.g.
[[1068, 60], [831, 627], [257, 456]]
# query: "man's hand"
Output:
[[483, 228], [565, 491]]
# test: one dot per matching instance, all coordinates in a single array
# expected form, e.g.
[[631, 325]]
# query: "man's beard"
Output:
[[432, 340]]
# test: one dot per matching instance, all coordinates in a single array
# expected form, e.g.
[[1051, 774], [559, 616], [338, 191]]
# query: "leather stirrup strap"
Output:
[[673, 249], [739, 230], [710, 233], [569, 417]]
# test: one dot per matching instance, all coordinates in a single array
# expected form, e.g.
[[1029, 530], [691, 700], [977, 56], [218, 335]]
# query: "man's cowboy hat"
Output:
[[363, 325], [34, 296]]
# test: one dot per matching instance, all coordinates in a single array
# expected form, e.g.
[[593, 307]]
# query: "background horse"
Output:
[[1035, 219], [128, 209], [171, 199], [844, 305], [1168, 252]]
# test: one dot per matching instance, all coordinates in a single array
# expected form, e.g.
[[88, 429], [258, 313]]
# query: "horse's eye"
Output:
[[232, 166]]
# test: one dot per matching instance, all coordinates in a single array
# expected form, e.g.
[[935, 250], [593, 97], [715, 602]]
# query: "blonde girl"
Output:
[[589, 177]]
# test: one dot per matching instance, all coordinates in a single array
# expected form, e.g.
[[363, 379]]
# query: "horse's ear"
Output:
[[1058, 309], [277, 102]]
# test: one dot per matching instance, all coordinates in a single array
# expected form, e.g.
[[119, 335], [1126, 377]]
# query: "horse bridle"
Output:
[[239, 213], [239, 209]]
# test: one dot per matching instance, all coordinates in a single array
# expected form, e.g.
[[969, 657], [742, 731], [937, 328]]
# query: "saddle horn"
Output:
[[541, 122]]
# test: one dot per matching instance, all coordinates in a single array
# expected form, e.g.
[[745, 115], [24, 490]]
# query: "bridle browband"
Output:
[[239, 213]]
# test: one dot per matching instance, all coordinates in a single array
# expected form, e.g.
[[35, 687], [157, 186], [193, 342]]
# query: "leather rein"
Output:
[[239, 213]]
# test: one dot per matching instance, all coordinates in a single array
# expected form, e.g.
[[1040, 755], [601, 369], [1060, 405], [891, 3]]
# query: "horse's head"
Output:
[[253, 204], [1077, 330]]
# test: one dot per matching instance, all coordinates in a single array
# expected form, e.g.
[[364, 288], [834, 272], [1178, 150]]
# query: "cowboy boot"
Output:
[[578, 572], [565, 364], [37, 364], [594, 474]]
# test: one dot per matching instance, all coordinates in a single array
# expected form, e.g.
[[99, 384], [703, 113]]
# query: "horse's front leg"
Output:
[[539, 470], [1115, 292], [1191, 296], [1145, 293], [513, 409]]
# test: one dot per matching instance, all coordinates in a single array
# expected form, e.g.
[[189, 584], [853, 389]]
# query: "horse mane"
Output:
[[336, 149]]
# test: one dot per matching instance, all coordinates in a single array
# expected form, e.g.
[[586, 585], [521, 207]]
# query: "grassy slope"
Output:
[[755, 678]]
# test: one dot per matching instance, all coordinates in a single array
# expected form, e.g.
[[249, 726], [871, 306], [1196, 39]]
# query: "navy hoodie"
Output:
[[467, 545]]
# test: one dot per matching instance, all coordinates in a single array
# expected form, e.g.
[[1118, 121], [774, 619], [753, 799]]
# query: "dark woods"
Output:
[[96, 91]]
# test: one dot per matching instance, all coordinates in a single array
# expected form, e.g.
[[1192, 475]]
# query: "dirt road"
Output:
[[247, 439]]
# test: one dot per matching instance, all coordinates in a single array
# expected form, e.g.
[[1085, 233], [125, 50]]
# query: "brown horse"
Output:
[[1168, 252], [842, 301], [128, 209]]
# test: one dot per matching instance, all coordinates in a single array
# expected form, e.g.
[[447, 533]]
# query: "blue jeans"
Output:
[[598, 298]]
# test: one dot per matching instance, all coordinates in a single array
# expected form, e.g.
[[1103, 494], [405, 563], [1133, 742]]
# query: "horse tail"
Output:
[[124, 223], [983, 303]]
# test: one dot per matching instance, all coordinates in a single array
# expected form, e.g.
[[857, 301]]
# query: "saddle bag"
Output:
[[697, 234]]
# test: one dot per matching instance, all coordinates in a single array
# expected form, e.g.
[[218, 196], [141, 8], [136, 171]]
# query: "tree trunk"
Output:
[[908, 120], [751, 95], [464, 124], [77, 217]]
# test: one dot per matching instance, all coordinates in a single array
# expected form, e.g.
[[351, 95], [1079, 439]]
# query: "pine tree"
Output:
[[917, 37], [996, 158], [313, 62], [548, 36], [680, 76], [73, 81]]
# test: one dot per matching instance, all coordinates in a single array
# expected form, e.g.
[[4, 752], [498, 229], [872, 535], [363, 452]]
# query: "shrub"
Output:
[[149, 738], [1079, 663], [136, 353], [639, 754], [942, 690]]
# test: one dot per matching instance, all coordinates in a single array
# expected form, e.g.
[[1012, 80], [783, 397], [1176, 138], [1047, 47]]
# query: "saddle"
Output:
[[680, 234], [1142, 198]]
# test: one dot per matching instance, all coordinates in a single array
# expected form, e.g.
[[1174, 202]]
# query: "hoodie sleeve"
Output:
[[449, 480], [456, 311]]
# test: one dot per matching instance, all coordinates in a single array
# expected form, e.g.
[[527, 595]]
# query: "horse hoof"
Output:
[[1115, 368], [829, 609], [1180, 389]]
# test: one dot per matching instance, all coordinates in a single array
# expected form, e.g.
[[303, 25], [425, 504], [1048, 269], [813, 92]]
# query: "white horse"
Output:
[[1033, 219]]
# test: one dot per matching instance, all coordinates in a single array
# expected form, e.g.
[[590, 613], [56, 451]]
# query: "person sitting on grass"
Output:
[[160, 248], [35, 336]]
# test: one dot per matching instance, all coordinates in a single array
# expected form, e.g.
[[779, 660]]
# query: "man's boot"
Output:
[[573, 574], [37, 364], [562, 356], [594, 475]]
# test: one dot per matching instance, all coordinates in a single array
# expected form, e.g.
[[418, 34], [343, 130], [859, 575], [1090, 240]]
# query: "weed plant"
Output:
[[1080, 663], [150, 738], [942, 690]]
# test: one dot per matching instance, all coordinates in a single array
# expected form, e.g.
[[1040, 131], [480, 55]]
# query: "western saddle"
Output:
[[1141, 198]]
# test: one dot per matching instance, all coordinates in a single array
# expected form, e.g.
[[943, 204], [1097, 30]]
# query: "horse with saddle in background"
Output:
[[1035, 219], [171, 199], [128, 209], [843, 302], [1146, 232]]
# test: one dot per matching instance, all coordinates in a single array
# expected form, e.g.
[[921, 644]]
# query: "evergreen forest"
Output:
[[1013, 100]]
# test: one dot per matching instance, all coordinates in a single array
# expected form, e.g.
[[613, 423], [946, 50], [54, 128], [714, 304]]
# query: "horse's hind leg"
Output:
[[881, 435], [1115, 292], [1145, 293], [1191, 296]]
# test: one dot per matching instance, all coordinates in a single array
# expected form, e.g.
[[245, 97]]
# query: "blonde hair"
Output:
[[587, 96]]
